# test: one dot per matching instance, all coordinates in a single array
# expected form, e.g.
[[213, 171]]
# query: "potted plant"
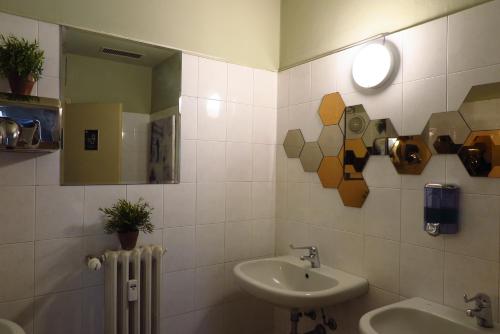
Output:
[[21, 62], [127, 219]]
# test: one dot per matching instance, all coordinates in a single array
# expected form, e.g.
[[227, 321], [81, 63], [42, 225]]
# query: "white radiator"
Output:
[[132, 288]]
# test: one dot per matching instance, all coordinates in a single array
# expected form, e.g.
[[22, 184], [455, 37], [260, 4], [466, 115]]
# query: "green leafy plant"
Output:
[[20, 56], [125, 216]]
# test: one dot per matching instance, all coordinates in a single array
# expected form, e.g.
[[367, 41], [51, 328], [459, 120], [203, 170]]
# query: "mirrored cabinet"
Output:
[[121, 119]]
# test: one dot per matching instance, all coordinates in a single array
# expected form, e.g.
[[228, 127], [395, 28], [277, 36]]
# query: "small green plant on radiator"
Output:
[[127, 219]]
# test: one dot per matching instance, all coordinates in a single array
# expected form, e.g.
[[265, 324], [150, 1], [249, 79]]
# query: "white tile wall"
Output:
[[384, 241], [236, 179], [471, 36], [48, 37], [222, 211], [430, 37], [214, 216]]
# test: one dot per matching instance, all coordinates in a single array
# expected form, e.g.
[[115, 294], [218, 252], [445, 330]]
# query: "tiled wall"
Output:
[[383, 241], [221, 213], [135, 142]]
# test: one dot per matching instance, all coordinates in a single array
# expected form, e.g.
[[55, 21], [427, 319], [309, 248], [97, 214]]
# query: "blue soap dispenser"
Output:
[[441, 208]]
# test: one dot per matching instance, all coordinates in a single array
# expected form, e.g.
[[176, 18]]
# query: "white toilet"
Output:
[[9, 327]]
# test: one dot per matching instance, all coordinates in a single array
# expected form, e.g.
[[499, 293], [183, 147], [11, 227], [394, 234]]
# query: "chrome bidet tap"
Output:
[[312, 257], [482, 312]]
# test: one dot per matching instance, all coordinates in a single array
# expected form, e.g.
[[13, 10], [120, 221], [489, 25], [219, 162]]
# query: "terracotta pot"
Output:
[[21, 85], [128, 240]]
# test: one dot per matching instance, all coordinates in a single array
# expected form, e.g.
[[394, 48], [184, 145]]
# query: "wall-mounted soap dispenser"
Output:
[[441, 210]]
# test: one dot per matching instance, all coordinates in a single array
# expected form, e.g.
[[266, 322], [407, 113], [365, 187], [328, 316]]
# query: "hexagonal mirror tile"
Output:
[[377, 135], [353, 192], [480, 153], [356, 122], [480, 107], [293, 143], [330, 172], [311, 157], [331, 109], [445, 132], [331, 140], [410, 154], [354, 156]]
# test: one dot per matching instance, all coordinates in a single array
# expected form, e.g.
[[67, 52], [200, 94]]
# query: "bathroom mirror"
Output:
[[480, 154], [121, 121], [353, 192], [377, 136], [354, 158], [331, 172], [480, 108], [356, 121], [445, 132], [331, 140], [410, 154], [311, 157], [294, 143]]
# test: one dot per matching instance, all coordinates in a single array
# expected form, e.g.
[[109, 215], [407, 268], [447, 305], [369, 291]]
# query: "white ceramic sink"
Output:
[[8, 327], [287, 281], [420, 316]]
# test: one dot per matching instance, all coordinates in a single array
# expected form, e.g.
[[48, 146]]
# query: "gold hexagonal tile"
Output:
[[410, 154], [331, 109], [353, 192], [293, 143], [311, 157], [377, 136], [445, 132], [480, 153], [330, 172], [331, 140]]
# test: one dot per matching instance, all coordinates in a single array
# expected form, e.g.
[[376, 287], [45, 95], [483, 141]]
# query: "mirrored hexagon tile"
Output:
[[445, 132], [377, 136], [330, 172], [293, 143], [410, 154], [480, 107], [354, 156], [331, 109], [331, 140], [356, 121], [311, 157], [480, 153], [353, 192]]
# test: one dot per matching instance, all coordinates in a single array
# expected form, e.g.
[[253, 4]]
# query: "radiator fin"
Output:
[[141, 316]]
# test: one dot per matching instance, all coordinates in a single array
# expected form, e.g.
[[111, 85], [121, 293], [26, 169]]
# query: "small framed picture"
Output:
[[91, 140]]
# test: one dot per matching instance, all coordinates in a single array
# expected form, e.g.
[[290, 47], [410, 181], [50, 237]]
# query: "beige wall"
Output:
[[310, 28], [95, 80], [241, 31], [245, 32]]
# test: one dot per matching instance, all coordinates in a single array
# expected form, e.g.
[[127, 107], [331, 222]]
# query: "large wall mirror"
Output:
[[121, 120]]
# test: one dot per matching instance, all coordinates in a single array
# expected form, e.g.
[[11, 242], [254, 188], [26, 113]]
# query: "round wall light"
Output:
[[373, 65]]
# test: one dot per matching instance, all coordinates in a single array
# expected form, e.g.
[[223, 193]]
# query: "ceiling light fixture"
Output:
[[373, 65]]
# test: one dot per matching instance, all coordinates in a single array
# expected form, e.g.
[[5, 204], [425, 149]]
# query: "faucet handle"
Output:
[[480, 298], [310, 248]]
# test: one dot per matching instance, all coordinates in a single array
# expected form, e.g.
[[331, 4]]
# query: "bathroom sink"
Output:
[[420, 316], [286, 281], [8, 327]]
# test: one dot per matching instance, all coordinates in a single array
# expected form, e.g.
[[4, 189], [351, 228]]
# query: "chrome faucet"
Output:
[[312, 257], [482, 312]]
